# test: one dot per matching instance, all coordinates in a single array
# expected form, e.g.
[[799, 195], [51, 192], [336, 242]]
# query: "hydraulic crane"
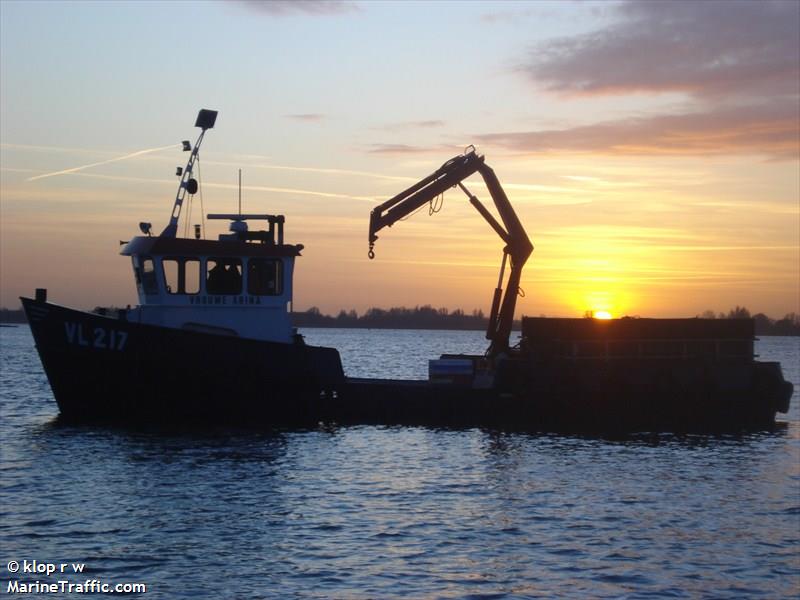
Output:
[[518, 246]]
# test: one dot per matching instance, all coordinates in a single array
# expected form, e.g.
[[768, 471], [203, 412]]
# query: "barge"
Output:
[[211, 341]]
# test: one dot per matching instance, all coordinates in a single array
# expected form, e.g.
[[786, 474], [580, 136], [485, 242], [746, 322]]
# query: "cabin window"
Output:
[[149, 283], [191, 268], [224, 276], [172, 268], [264, 277], [181, 275]]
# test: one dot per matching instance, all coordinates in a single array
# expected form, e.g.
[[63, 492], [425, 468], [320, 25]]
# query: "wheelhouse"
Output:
[[239, 285]]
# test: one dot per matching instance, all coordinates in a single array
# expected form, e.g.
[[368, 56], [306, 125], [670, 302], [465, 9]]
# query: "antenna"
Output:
[[240, 192]]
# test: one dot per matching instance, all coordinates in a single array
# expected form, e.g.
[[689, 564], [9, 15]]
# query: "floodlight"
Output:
[[206, 119], [186, 145], [145, 227]]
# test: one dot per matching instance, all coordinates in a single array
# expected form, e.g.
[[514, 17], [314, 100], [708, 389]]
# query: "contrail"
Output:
[[230, 186], [102, 162]]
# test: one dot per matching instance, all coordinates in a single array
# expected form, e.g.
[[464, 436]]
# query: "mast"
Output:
[[188, 185]]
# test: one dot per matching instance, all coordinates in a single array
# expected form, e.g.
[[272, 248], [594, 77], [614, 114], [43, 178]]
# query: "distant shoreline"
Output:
[[429, 318]]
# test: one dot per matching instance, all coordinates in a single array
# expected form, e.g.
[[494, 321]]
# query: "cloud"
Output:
[[283, 8], [706, 49], [402, 149], [772, 130], [506, 16], [736, 62], [406, 125], [520, 15], [307, 117], [429, 124]]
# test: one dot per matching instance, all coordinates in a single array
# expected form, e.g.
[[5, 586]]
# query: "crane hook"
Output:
[[371, 252]]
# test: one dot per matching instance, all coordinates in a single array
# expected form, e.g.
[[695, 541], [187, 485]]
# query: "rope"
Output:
[[188, 217], [436, 205], [412, 214], [202, 210]]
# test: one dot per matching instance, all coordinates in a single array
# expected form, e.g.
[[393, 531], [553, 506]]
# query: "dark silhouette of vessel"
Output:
[[211, 341]]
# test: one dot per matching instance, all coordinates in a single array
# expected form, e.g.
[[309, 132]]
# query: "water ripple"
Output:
[[394, 512]]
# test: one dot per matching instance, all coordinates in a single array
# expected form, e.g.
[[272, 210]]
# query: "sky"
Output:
[[651, 149]]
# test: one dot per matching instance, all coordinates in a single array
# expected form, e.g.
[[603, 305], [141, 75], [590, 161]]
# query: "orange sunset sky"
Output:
[[651, 149]]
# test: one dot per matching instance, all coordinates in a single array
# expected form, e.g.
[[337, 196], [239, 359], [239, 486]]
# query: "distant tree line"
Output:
[[419, 317], [427, 317], [12, 316], [788, 325]]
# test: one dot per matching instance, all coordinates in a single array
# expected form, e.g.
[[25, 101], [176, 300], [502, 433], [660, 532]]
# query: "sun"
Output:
[[602, 314]]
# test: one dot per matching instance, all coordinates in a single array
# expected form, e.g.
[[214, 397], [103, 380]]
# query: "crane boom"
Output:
[[518, 246]]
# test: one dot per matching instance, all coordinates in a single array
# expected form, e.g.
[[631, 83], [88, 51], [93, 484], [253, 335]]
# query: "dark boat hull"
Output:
[[588, 398], [646, 395], [103, 368], [113, 369]]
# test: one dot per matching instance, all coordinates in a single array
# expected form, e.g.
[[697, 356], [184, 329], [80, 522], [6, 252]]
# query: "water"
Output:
[[396, 512]]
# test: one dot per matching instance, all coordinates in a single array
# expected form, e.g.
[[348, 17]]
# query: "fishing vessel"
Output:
[[211, 340]]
